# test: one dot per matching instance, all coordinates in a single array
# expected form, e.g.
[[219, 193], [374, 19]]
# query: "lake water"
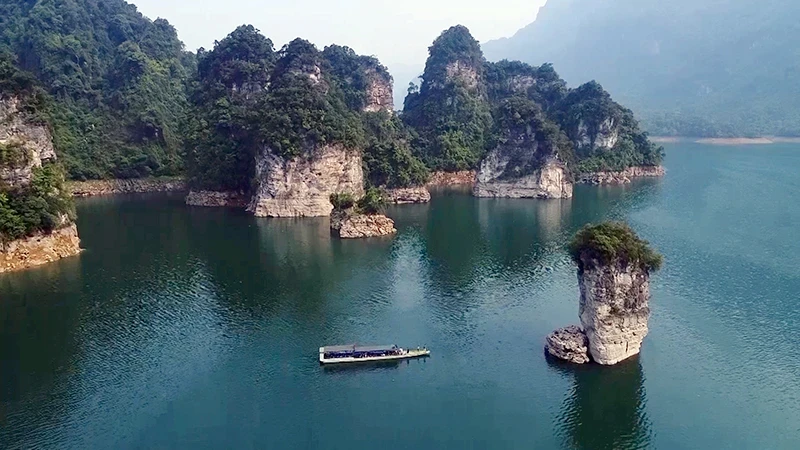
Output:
[[199, 328]]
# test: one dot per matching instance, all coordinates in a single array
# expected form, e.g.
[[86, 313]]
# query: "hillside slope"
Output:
[[692, 68]]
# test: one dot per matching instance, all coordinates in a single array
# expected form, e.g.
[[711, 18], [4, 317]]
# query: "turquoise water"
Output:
[[196, 328]]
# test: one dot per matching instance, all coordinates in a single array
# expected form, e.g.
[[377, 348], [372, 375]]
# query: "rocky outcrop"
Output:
[[349, 225], [614, 309], [622, 177], [569, 344], [405, 196], [464, 73], [26, 145], [464, 177], [550, 181], [39, 249], [379, 92], [603, 135], [94, 188], [302, 186], [214, 199]]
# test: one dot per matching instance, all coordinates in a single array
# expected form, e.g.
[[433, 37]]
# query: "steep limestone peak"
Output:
[[455, 56]]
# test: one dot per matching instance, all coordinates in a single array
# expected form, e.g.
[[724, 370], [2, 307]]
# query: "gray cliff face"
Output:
[[497, 175], [33, 141], [604, 136], [301, 186], [463, 73], [379, 92], [614, 310]]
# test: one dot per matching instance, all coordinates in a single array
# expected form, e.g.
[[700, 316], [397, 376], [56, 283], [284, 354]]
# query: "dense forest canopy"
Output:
[[117, 78], [467, 106], [692, 68]]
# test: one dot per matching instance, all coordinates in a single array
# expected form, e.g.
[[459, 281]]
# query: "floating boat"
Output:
[[339, 354]]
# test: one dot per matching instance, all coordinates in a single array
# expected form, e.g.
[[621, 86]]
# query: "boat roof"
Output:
[[357, 348]]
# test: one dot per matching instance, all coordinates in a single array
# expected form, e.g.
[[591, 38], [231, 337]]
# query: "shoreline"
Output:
[[766, 140], [96, 188]]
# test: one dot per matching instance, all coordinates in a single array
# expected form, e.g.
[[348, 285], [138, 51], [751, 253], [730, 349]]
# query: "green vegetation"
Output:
[[687, 68], [40, 206], [306, 106], [613, 243], [449, 113], [585, 112], [43, 204], [467, 107], [388, 158], [117, 79], [224, 132], [314, 98], [372, 202], [13, 154], [342, 201]]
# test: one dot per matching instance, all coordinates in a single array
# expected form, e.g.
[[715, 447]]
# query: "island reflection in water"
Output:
[[605, 408]]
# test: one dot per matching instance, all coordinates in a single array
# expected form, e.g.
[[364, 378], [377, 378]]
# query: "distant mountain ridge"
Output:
[[687, 68]]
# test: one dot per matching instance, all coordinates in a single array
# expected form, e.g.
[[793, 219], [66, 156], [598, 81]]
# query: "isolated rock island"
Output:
[[614, 267]]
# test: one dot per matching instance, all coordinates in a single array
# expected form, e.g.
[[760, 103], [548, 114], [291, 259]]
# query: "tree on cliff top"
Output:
[[612, 243]]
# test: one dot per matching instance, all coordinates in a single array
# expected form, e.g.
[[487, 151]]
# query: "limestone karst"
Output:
[[614, 267]]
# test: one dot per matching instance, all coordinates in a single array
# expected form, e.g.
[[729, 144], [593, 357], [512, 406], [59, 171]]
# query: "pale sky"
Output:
[[398, 32]]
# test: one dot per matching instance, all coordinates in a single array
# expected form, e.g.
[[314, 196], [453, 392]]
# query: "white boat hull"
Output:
[[410, 354]]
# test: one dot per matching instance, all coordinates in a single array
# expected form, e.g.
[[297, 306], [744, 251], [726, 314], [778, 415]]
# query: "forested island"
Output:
[[279, 131]]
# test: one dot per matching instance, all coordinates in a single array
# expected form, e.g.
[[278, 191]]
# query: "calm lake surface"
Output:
[[199, 328]]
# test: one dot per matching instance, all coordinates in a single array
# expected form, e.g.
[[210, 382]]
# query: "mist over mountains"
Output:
[[690, 68]]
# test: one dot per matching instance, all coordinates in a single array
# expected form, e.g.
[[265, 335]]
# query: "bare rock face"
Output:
[[214, 199], [355, 226], [614, 310], [405, 196], [569, 344], [551, 180], [622, 177], [464, 73], [605, 135], [31, 144], [302, 186], [40, 249], [379, 92]]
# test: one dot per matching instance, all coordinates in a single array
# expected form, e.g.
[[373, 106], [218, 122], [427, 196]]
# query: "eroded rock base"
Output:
[[40, 249], [568, 344], [347, 225]]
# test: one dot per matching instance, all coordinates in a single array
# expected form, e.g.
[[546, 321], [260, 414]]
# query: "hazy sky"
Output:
[[398, 32]]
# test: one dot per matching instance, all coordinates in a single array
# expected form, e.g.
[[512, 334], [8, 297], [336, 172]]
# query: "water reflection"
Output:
[[519, 230], [606, 408], [37, 346]]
